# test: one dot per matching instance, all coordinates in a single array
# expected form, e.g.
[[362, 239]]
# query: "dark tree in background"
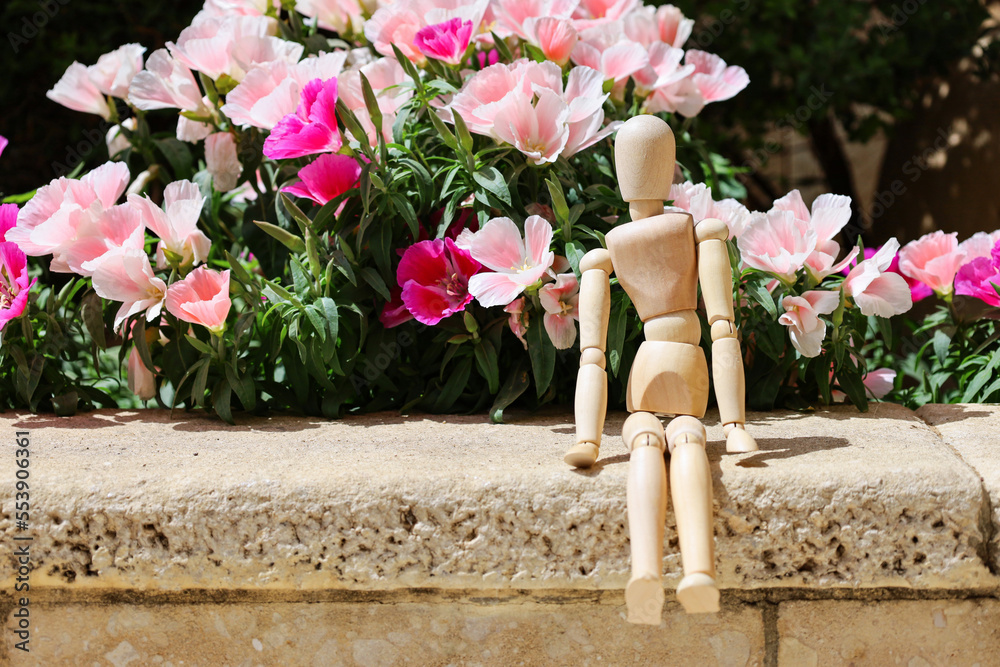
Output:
[[860, 63], [40, 38]]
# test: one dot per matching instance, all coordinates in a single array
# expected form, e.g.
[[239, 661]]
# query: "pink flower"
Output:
[[435, 277], [801, 316], [48, 223], [119, 227], [479, 100], [830, 213], [237, 7], [76, 91], [399, 23], [933, 259], [518, 320], [979, 244], [694, 198], [555, 37], [980, 278], [312, 128], [875, 290], [166, 83], [201, 298], [222, 161], [394, 312], [879, 382], [606, 49], [515, 263], [561, 303], [664, 69], [715, 81], [8, 219], [605, 10], [518, 17], [539, 131], [181, 244], [340, 16], [271, 91], [125, 275], [776, 243], [328, 177], [114, 71], [141, 380], [734, 214], [14, 282], [446, 41], [232, 45], [918, 290], [667, 25]]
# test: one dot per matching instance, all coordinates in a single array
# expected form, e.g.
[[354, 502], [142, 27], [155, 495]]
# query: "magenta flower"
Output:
[[446, 41], [312, 128], [394, 312], [8, 219], [3, 143], [330, 176], [435, 276], [14, 282], [981, 278]]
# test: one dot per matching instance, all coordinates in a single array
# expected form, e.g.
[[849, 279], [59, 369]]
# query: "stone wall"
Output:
[[381, 540]]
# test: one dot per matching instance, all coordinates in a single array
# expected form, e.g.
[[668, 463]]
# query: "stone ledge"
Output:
[[135, 500]]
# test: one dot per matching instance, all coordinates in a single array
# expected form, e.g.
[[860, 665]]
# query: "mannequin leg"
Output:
[[647, 508], [691, 482]]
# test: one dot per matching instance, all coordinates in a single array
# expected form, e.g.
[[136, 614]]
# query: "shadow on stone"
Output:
[[773, 449]]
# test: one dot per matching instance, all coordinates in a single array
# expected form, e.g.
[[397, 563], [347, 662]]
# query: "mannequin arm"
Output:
[[591, 404], [716, 278]]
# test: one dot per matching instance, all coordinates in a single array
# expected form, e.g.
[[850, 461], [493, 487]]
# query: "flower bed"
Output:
[[361, 208]]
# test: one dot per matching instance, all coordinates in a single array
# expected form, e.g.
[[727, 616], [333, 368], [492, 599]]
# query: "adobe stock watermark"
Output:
[[914, 168], [899, 15], [790, 123], [32, 25], [76, 153], [376, 365], [716, 25]]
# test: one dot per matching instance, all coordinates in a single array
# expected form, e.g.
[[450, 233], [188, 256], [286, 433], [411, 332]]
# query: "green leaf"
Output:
[[405, 209], [177, 154], [574, 254], [502, 50], [486, 360], [92, 310], [759, 293], [559, 206], [194, 368], [940, 342], [286, 238], [200, 383], [329, 309], [453, 388], [222, 398], [372, 277], [317, 320], [371, 103], [408, 68], [849, 379], [140, 343], [297, 215], [494, 183], [242, 275], [199, 345], [515, 385], [243, 384], [543, 356], [344, 266], [446, 135], [616, 335], [462, 130]]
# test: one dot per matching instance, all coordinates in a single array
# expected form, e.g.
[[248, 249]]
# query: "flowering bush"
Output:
[[385, 205], [953, 355]]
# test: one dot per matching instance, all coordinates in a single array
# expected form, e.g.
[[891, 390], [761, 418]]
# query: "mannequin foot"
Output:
[[698, 594], [582, 455], [739, 441], [644, 597]]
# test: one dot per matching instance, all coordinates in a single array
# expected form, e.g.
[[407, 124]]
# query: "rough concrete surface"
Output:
[[974, 432], [143, 501], [913, 633], [382, 635]]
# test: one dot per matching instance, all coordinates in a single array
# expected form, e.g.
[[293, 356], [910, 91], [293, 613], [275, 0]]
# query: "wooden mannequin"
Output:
[[659, 258]]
